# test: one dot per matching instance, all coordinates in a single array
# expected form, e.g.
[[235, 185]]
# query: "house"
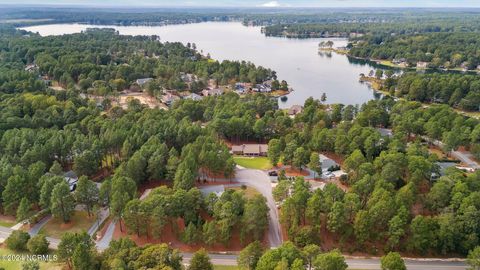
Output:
[[327, 162], [250, 150], [169, 98], [422, 65], [262, 88], [212, 92], [187, 77], [31, 68], [240, 88], [385, 132], [71, 178], [142, 82], [294, 110], [194, 97]]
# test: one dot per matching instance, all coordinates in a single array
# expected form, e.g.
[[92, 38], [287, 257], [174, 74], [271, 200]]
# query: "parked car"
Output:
[[273, 173]]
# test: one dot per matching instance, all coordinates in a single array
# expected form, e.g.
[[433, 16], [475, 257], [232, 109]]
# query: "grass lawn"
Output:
[[259, 163], [79, 222], [249, 192], [17, 265], [5, 223], [225, 267]]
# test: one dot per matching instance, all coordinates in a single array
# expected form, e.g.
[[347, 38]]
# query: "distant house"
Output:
[[71, 178], [262, 88], [194, 97], [212, 92], [142, 82], [385, 132], [169, 98], [250, 150], [294, 110], [240, 88], [187, 77], [31, 68], [422, 65]]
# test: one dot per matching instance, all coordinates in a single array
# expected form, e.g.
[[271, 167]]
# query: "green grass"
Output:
[[17, 265], [4, 223], [248, 191], [225, 267], [259, 163], [79, 222]]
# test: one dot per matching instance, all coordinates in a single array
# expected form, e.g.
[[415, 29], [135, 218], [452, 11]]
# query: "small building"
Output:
[[262, 88], [31, 68], [194, 97], [187, 77], [385, 132], [212, 92], [327, 162], [294, 110], [422, 65], [71, 178], [169, 98], [254, 150], [142, 82], [240, 88]]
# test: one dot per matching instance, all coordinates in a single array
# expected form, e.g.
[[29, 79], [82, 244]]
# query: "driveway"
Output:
[[261, 182]]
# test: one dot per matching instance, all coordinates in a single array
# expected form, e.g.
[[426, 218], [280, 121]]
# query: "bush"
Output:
[[38, 244], [31, 265], [18, 240]]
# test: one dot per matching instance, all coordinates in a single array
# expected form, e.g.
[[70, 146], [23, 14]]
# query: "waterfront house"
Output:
[[294, 110]]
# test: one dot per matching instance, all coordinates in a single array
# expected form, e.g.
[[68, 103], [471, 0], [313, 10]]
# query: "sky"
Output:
[[255, 3]]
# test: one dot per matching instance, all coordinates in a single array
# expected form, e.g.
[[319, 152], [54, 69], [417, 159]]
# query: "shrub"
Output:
[[18, 240], [38, 244]]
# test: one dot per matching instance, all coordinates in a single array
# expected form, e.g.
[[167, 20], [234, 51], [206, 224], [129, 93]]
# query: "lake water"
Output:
[[295, 60]]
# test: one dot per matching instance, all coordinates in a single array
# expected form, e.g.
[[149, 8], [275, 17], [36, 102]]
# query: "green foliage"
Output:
[[17, 240], [392, 261], [38, 244], [23, 210], [249, 256], [62, 202], [332, 260], [200, 261]]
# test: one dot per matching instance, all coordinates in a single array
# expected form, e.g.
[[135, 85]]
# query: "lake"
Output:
[[295, 60]]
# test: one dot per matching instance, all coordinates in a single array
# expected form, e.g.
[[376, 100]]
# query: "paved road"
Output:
[[103, 243], [261, 182], [364, 264], [463, 157], [37, 227]]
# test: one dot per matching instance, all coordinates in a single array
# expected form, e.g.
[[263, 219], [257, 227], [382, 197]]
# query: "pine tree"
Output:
[[62, 202], [23, 210]]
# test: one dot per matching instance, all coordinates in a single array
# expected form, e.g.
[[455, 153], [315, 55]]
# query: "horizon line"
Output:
[[86, 5]]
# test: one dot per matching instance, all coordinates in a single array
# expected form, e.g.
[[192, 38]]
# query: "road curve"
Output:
[[261, 182]]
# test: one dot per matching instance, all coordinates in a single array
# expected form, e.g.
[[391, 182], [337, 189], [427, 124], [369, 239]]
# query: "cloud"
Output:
[[271, 4]]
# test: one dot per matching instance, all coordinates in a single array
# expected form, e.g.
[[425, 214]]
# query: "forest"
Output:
[[457, 90], [391, 202], [439, 50]]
